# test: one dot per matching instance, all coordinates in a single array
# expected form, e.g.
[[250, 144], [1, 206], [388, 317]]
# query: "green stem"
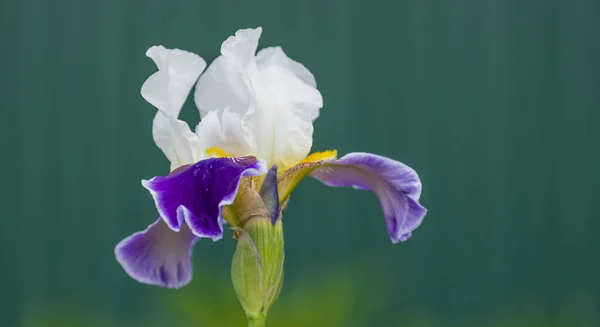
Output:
[[256, 321]]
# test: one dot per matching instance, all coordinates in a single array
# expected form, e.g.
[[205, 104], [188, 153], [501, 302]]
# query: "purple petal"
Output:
[[158, 255], [397, 186], [197, 194]]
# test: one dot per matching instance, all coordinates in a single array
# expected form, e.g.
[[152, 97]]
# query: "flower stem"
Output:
[[256, 321]]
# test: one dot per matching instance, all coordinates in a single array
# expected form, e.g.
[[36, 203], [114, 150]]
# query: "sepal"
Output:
[[257, 267]]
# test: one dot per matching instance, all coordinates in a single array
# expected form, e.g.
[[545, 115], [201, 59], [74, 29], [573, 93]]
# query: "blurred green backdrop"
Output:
[[495, 103]]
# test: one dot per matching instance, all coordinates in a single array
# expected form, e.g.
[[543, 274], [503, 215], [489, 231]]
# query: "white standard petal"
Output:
[[275, 99], [174, 137], [178, 70], [296, 106], [223, 129], [274, 56], [225, 84]]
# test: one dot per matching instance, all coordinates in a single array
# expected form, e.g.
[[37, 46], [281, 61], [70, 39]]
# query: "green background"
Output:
[[495, 104]]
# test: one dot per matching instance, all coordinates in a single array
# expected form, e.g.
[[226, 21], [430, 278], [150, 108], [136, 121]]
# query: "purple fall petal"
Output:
[[158, 255], [197, 194], [397, 186]]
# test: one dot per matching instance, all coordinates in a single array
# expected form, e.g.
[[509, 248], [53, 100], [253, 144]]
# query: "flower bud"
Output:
[[257, 267]]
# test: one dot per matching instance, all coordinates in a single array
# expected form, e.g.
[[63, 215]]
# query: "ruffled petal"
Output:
[[274, 56], [158, 255], [178, 70], [240, 48], [196, 194], [226, 83], [397, 186], [223, 129], [167, 90], [273, 100], [174, 137]]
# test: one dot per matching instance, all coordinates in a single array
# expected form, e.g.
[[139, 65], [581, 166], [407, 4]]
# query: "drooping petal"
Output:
[[158, 255], [174, 137], [397, 186], [275, 105], [196, 194], [178, 70]]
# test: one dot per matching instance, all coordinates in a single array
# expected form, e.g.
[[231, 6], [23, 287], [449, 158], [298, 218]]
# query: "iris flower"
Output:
[[254, 138]]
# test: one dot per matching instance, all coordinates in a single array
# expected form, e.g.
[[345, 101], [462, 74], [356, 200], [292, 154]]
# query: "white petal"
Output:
[[225, 83], [223, 129], [275, 105], [174, 137], [241, 47], [178, 70], [297, 106], [220, 87], [274, 56]]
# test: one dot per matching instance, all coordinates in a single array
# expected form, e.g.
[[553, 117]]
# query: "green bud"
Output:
[[257, 267]]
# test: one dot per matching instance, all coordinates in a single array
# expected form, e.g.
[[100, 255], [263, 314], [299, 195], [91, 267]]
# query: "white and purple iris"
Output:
[[257, 111]]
